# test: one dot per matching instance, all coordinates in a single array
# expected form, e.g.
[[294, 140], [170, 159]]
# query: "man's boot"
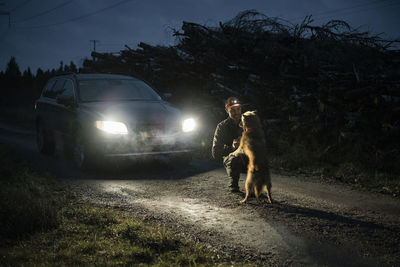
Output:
[[234, 185]]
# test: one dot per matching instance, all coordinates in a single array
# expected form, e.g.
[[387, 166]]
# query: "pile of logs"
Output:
[[328, 87]]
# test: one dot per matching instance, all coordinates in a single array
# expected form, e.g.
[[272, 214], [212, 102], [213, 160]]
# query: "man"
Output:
[[226, 140]]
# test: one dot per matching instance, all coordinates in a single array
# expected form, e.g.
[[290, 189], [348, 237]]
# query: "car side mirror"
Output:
[[65, 100]]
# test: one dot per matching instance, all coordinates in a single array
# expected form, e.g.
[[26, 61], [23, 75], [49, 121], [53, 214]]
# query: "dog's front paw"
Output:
[[234, 154]]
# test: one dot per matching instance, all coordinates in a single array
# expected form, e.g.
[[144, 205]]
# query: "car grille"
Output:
[[150, 130], [155, 130], [148, 138]]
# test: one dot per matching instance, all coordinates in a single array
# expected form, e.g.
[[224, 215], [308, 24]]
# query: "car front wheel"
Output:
[[81, 156]]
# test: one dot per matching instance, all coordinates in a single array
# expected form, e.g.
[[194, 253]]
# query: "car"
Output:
[[109, 116]]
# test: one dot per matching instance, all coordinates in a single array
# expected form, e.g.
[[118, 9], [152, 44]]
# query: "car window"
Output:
[[56, 89], [115, 89], [48, 87], [68, 89]]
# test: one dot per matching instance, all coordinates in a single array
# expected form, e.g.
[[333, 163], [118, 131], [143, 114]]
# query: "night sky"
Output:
[[43, 33]]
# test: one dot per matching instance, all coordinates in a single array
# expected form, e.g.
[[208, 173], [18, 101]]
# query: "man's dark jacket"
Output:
[[226, 131]]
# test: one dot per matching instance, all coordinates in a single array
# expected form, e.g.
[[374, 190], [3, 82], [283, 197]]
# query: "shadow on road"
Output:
[[293, 211]]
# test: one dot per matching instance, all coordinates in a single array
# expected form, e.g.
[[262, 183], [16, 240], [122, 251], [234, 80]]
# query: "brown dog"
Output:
[[252, 144]]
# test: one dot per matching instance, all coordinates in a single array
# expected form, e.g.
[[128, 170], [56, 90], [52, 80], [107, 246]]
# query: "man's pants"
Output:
[[234, 166]]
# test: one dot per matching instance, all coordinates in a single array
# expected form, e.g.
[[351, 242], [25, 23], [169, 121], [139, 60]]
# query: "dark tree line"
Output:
[[19, 87]]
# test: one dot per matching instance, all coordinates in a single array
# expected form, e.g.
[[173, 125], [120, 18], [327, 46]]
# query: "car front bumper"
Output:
[[150, 153], [128, 146]]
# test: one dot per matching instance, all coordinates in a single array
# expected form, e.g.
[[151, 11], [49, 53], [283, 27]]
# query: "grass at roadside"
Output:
[[90, 235], [43, 224], [29, 201]]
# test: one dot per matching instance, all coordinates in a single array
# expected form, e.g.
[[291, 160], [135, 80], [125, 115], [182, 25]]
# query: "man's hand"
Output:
[[236, 148], [236, 143]]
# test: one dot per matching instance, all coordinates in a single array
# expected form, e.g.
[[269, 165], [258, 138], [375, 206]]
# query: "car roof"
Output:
[[95, 76]]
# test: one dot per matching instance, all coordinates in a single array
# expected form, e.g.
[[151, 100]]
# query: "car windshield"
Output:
[[115, 89]]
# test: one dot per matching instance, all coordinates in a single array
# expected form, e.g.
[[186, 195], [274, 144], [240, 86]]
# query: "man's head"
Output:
[[233, 108]]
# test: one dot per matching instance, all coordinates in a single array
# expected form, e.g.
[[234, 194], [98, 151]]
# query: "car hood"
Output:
[[133, 112]]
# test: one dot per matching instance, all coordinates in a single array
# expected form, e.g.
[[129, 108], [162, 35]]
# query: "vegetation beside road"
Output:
[[42, 223]]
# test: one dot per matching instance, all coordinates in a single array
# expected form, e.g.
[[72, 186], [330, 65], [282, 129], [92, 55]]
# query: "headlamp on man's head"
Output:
[[232, 102]]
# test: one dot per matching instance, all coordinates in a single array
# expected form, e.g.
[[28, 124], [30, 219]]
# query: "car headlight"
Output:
[[188, 125], [112, 127]]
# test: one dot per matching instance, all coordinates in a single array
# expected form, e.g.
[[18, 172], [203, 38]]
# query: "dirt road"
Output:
[[311, 223]]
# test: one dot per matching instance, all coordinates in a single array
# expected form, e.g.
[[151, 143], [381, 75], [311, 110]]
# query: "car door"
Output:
[[50, 106], [52, 111], [45, 101], [66, 113]]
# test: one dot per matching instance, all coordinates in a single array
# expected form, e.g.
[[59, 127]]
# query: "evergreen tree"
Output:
[[12, 70], [72, 67], [27, 78], [13, 74], [61, 68], [40, 80], [39, 74], [27, 74], [66, 68]]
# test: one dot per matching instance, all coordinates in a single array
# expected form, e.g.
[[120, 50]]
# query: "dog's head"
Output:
[[250, 120]]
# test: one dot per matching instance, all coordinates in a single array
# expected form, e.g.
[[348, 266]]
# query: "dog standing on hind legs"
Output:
[[252, 144]]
